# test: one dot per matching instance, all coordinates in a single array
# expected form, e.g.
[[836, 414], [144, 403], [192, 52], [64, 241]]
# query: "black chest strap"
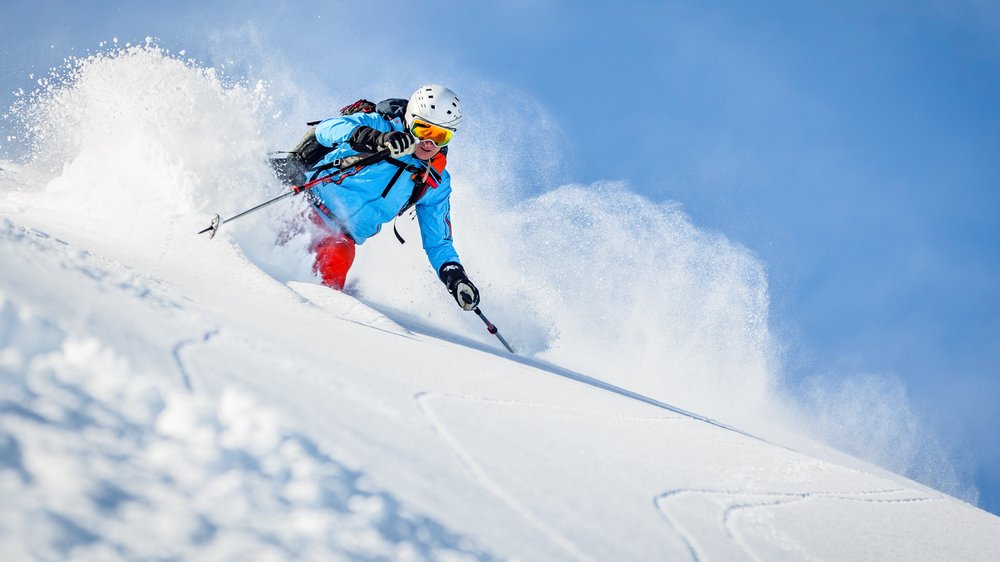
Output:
[[392, 182]]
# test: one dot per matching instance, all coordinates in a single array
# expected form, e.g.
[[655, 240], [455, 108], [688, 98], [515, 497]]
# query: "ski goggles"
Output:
[[424, 130]]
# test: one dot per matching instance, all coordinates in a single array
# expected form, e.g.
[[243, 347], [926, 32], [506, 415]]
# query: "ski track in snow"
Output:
[[743, 503], [480, 475], [185, 374]]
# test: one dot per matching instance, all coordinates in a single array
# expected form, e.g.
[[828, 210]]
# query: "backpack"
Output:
[[389, 108]]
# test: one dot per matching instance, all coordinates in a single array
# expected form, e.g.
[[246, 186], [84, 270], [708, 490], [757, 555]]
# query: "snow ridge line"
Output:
[[479, 475], [563, 410], [608, 387]]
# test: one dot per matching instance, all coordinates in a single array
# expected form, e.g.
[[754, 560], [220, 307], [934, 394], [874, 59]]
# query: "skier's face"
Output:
[[426, 150]]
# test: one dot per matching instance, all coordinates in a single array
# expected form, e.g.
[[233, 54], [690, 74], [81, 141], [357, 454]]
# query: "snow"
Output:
[[163, 395]]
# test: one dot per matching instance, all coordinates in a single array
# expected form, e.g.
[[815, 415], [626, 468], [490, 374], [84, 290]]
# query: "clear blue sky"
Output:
[[853, 147]]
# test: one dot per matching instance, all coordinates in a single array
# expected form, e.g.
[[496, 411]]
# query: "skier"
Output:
[[358, 200]]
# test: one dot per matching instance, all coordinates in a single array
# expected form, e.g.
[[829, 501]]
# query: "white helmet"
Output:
[[436, 104]]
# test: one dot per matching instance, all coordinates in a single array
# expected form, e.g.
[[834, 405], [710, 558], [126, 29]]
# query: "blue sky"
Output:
[[851, 146]]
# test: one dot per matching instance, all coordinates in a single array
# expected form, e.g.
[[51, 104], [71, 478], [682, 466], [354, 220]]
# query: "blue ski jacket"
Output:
[[355, 196]]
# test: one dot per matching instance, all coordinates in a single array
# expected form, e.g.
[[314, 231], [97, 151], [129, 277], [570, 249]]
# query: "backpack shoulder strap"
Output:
[[430, 177], [424, 179]]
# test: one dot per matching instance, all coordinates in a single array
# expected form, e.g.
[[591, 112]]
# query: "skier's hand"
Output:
[[397, 143], [466, 294]]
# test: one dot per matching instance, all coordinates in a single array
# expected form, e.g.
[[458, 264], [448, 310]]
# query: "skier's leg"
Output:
[[334, 257], [334, 254]]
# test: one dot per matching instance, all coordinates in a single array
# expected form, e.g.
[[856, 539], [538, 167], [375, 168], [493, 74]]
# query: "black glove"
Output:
[[458, 284], [397, 142], [366, 139]]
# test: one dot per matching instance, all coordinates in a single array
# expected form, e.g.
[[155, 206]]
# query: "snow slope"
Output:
[[166, 396]]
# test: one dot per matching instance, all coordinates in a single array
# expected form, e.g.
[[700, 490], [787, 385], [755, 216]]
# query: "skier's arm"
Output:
[[332, 132], [434, 215]]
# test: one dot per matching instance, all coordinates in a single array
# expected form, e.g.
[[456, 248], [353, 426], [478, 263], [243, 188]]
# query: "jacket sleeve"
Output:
[[365, 139], [338, 130], [434, 216]]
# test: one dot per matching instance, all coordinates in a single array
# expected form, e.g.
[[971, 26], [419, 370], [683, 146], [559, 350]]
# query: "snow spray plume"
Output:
[[870, 416], [137, 132], [139, 138], [640, 296]]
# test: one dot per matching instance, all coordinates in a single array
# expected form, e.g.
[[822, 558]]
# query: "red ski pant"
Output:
[[334, 255]]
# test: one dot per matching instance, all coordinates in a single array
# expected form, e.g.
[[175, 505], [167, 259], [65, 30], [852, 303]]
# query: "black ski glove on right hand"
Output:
[[397, 143], [366, 139], [466, 294]]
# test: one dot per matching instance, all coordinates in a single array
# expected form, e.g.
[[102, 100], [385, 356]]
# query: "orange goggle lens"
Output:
[[429, 131]]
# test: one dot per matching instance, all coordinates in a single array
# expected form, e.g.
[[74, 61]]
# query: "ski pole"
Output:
[[339, 164], [492, 329], [294, 190]]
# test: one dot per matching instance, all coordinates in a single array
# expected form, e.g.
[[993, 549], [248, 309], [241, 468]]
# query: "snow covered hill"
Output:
[[166, 396]]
